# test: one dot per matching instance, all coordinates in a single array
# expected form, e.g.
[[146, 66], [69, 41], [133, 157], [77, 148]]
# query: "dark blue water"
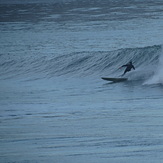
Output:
[[54, 106]]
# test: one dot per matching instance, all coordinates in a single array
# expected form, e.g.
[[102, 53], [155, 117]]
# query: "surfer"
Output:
[[128, 66]]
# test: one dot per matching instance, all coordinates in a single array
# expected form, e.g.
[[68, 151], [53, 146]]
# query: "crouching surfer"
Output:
[[128, 66]]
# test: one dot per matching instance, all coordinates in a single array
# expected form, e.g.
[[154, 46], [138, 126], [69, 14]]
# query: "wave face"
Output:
[[98, 63]]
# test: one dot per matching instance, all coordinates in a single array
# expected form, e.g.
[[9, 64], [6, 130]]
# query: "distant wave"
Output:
[[77, 10], [98, 63], [67, 1]]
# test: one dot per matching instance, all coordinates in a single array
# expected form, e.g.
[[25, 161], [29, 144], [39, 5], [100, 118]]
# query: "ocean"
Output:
[[54, 106]]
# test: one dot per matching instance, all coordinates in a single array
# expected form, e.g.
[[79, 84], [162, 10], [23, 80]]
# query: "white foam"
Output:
[[157, 78]]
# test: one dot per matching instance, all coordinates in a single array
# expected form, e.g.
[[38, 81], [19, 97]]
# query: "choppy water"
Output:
[[54, 107]]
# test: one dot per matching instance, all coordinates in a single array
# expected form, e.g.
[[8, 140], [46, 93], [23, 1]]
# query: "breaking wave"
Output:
[[157, 77], [148, 62]]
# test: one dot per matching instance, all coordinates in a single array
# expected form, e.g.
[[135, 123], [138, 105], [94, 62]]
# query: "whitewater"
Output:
[[54, 106]]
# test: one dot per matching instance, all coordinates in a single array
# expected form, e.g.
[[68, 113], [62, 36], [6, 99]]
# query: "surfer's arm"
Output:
[[133, 67], [124, 66]]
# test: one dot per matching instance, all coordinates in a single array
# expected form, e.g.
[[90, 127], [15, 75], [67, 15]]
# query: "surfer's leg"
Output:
[[124, 72]]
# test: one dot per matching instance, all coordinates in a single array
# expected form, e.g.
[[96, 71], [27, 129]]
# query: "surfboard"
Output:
[[114, 79]]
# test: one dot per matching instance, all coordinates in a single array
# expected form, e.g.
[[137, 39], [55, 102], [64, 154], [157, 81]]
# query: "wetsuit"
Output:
[[128, 66]]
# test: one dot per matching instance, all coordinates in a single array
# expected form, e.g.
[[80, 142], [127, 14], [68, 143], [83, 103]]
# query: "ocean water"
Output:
[[54, 106]]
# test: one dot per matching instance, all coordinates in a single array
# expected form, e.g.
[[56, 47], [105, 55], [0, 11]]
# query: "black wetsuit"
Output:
[[128, 66]]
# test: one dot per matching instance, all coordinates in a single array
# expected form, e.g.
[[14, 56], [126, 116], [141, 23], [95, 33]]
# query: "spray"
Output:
[[157, 78]]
